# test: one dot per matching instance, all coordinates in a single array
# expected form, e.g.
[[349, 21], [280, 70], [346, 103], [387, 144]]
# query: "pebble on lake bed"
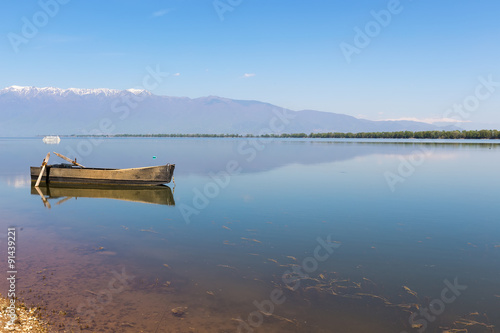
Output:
[[179, 311]]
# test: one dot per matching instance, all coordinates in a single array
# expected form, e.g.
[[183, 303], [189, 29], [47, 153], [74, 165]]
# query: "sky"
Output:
[[436, 61]]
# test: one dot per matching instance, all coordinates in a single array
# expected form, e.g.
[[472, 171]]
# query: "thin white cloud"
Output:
[[247, 75], [60, 38], [429, 120], [161, 12], [176, 74], [111, 54]]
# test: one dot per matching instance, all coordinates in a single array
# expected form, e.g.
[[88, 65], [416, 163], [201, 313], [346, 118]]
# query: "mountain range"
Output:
[[29, 111]]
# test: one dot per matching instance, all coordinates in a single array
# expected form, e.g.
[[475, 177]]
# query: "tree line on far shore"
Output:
[[472, 134]]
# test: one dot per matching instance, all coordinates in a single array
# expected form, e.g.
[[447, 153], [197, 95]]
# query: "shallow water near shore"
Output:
[[262, 235]]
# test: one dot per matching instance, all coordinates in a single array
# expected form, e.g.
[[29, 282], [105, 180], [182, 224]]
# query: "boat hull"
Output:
[[156, 175]]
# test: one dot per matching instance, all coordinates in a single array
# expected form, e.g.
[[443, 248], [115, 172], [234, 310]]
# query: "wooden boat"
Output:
[[159, 195], [78, 174]]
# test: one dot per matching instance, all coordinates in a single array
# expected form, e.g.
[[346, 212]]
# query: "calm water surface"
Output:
[[305, 236]]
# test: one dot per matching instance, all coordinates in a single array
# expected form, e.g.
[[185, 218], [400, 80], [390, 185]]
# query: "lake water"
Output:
[[261, 236]]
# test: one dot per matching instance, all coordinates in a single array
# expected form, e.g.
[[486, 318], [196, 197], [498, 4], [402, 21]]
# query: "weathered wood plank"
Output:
[[44, 164], [69, 159]]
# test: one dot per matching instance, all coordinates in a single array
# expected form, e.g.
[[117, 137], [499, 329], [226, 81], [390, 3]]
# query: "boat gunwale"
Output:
[[75, 167]]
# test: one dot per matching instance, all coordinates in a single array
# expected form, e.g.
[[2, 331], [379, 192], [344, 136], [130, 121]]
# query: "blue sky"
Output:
[[425, 58]]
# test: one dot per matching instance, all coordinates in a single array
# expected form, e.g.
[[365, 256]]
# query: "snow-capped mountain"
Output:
[[30, 92], [28, 111]]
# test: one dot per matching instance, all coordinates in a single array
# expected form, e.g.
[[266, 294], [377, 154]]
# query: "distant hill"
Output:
[[27, 111]]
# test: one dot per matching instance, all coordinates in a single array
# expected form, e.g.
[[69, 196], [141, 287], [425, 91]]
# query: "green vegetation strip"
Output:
[[473, 134]]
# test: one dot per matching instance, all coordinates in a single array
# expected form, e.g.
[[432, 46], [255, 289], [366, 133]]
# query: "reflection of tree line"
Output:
[[472, 134]]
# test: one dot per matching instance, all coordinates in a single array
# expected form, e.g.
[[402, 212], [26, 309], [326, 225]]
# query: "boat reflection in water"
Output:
[[160, 195]]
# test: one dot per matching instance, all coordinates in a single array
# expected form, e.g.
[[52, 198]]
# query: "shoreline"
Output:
[[486, 134], [28, 319]]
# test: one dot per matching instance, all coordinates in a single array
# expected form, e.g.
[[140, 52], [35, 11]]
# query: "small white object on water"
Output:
[[51, 140]]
